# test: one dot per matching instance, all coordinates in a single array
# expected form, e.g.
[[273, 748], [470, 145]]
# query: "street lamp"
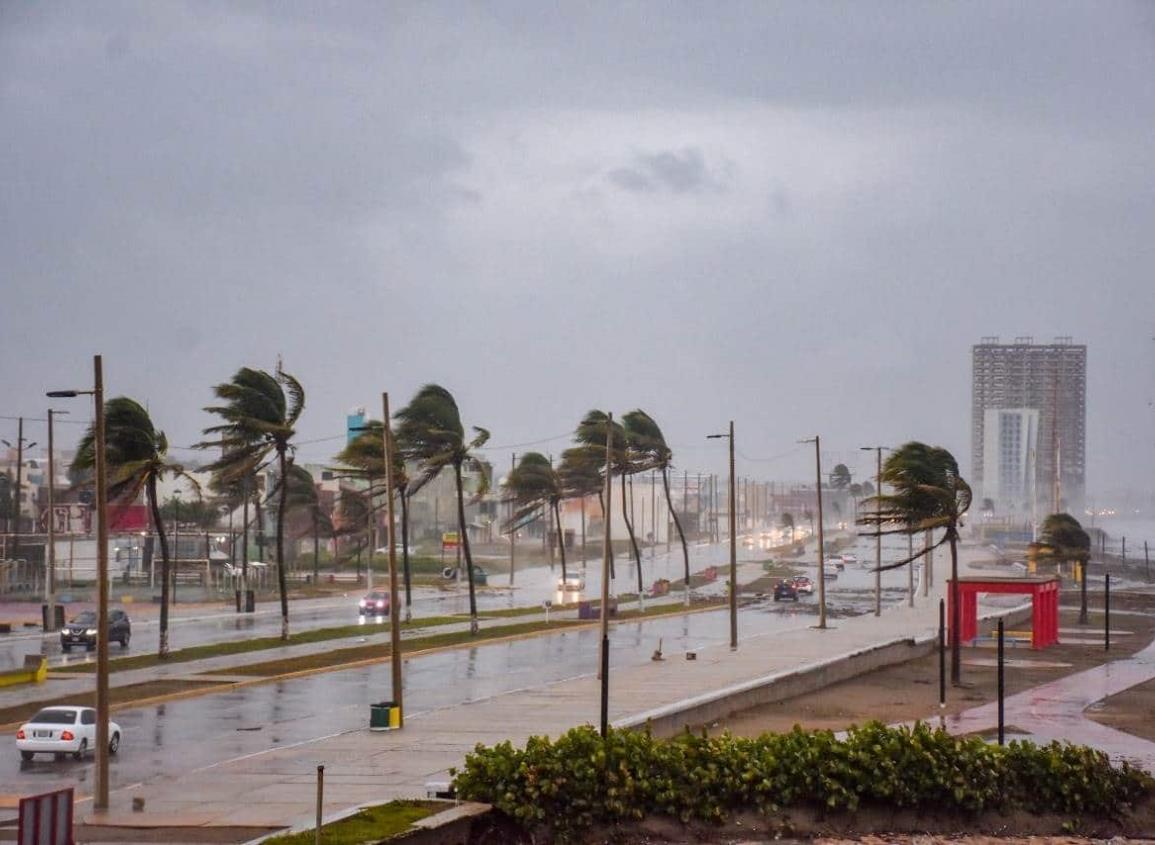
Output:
[[733, 542], [821, 537], [100, 797], [878, 536]]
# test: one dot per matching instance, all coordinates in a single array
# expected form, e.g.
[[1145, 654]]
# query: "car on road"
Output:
[[569, 584], [375, 603], [850, 558], [835, 563], [785, 591], [63, 730], [81, 630], [803, 585]]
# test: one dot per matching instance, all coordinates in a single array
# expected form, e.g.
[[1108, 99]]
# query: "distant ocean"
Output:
[[1135, 529]]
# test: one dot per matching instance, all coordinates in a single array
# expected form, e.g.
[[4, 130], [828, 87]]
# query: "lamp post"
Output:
[[100, 796], [394, 623], [607, 557], [733, 542], [878, 537], [50, 561], [18, 500], [816, 440]]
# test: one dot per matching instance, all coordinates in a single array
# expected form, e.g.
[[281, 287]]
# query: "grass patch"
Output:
[[370, 825], [200, 652], [340, 656], [117, 695]]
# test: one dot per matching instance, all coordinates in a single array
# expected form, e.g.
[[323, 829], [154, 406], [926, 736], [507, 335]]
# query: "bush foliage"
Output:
[[582, 780]]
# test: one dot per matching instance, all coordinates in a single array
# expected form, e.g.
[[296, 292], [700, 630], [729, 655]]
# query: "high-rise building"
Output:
[[1028, 424]]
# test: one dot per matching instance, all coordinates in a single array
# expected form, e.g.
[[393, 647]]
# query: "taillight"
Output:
[[67, 736], [20, 734]]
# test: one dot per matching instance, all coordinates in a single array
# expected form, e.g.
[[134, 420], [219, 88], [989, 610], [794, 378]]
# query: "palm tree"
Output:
[[535, 485], [1063, 538], [260, 413], [429, 431], [364, 458], [928, 493], [591, 431], [840, 477], [580, 471], [137, 459], [651, 451], [787, 521], [353, 520], [303, 498]]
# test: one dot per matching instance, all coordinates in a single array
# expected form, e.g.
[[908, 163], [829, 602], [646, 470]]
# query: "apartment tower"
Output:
[[1028, 424]]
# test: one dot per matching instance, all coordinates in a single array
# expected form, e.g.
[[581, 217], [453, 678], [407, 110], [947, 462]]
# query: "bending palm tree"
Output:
[[136, 455], [429, 431], [364, 458], [591, 432], [260, 412], [649, 445], [1063, 538], [302, 497], [929, 493], [534, 484], [580, 471]]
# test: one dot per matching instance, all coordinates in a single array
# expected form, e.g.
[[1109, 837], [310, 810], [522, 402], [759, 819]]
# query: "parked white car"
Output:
[[63, 730], [571, 584]]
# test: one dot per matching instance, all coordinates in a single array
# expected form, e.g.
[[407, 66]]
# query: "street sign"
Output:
[[46, 819], [449, 540]]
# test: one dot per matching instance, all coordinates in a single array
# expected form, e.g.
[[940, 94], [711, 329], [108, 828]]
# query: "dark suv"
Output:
[[81, 630]]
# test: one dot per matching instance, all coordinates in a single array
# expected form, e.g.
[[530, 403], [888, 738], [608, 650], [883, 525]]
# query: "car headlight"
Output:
[[90, 632]]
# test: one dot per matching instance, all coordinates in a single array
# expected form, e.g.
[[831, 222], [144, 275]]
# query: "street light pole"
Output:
[[607, 556], [50, 565], [394, 622], [878, 536], [733, 541], [100, 795], [816, 440]]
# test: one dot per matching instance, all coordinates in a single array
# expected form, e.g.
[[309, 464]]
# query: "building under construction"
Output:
[[1028, 424]]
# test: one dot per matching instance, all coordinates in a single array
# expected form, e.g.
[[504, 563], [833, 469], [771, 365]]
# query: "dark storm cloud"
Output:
[[798, 215]]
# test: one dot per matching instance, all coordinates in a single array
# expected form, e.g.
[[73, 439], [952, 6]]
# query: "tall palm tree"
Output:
[[353, 520], [259, 413], [535, 485], [364, 458], [928, 493], [840, 477], [580, 471], [591, 431], [787, 521], [429, 431], [137, 459], [651, 451], [303, 498], [1061, 538]]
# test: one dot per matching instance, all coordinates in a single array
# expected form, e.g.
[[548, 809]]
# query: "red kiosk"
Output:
[[1044, 593]]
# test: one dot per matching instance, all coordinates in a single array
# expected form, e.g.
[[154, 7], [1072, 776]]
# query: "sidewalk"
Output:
[[276, 787]]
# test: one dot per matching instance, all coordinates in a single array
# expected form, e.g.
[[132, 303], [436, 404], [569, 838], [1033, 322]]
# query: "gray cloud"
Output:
[[679, 172]]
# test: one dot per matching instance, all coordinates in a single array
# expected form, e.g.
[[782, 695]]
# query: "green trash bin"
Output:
[[384, 716]]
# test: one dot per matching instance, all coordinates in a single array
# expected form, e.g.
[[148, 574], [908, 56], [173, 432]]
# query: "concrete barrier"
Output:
[[711, 706], [35, 671]]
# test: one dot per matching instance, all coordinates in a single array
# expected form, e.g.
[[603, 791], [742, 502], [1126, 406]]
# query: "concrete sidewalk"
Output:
[[276, 787]]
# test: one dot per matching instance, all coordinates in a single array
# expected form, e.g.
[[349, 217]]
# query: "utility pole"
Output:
[[50, 565], [394, 622], [878, 537], [512, 527], [607, 553], [816, 440], [733, 502], [18, 497]]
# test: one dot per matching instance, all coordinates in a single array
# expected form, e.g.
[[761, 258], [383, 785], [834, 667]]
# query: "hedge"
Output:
[[582, 780]]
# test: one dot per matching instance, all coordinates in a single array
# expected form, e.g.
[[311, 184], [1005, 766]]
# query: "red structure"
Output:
[[1044, 593]]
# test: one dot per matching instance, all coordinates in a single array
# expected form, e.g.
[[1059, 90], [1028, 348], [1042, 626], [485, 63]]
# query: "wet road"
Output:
[[531, 586], [181, 736]]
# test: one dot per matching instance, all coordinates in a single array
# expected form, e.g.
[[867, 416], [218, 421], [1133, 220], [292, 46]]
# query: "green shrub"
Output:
[[581, 779]]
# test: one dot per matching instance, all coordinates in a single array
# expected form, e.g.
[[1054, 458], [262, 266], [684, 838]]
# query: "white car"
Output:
[[63, 730], [571, 584], [850, 558]]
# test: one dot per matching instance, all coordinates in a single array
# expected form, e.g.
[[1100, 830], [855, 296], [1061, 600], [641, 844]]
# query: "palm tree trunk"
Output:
[[283, 460], [405, 553], [681, 534], [955, 614], [605, 516], [633, 540], [316, 547], [150, 491], [464, 540], [560, 536], [1083, 591]]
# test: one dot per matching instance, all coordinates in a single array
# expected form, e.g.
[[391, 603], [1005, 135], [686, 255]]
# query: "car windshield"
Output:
[[55, 717], [85, 618], [378, 596]]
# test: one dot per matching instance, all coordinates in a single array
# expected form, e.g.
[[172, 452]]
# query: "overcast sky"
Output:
[[797, 215]]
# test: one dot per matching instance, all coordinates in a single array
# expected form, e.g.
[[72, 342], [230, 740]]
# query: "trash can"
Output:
[[250, 601], [384, 716]]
